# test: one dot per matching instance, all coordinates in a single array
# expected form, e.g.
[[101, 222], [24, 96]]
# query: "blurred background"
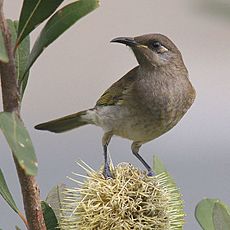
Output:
[[75, 70]]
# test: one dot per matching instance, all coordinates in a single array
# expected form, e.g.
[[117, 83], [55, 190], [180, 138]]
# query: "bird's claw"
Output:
[[107, 173], [150, 173]]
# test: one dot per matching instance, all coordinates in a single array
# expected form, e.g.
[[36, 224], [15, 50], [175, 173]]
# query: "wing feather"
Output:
[[115, 94]]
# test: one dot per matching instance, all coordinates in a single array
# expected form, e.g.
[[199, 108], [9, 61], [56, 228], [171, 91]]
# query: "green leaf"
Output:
[[3, 53], [58, 24], [17, 228], [12, 30], [33, 13], [49, 216], [22, 58], [158, 165], [19, 141], [21, 55], [203, 213], [4, 191], [55, 198], [159, 168], [221, 216], [212, 214]]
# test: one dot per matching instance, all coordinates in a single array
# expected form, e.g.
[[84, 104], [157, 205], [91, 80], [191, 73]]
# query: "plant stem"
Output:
[[11, 103]]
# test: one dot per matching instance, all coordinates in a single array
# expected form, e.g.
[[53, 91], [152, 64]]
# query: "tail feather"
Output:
[[65, 123]]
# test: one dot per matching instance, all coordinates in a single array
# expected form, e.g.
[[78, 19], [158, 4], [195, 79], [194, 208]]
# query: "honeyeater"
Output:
[[144, 104]]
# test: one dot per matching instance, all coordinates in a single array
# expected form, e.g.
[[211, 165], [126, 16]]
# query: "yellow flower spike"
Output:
[[131, 200]]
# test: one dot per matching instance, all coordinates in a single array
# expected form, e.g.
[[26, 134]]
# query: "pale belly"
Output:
[[137, 126]]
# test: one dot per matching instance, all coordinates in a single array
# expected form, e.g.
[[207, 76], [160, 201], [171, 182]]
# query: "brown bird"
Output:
[[144, 104]]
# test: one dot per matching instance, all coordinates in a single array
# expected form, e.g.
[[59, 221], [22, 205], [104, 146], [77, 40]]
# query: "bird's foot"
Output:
[[107, 173], [150, 173]]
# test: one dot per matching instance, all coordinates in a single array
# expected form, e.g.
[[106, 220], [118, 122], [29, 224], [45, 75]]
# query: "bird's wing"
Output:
[[115, 94]]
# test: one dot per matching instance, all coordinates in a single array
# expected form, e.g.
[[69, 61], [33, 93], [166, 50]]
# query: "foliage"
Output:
[[32, 14], [213, 214]]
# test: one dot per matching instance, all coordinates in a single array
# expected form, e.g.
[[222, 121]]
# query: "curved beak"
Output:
[[125, 40]]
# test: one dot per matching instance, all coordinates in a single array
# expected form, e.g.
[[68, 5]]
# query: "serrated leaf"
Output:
[[4, 191], [221, 216], [19, 141], [58, 24], [49, 216], [159, 168], [203, 213], [33, 13], [21, 55], [3, 53], [158, 165], [55, 198]]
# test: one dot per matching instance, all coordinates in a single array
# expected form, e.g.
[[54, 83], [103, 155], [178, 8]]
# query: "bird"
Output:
[[142, 105]]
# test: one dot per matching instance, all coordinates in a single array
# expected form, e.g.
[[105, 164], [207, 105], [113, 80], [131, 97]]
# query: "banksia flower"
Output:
[[131, 200]]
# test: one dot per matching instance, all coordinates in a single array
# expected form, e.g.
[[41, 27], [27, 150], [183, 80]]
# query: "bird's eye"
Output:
[[155, 45]]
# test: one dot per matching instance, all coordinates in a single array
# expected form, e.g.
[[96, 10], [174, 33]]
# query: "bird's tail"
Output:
[[65, 123]]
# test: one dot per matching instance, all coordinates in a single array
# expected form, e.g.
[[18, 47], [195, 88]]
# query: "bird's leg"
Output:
[[105, 142], [135, 149]]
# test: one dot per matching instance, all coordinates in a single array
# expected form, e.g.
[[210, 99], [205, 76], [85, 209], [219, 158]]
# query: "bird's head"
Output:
[[152, 49]]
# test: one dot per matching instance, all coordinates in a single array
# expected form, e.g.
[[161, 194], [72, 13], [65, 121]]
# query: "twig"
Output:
[[11, 103]]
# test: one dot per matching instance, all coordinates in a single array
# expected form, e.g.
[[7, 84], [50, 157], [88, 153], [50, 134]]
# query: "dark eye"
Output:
[[155, 45]]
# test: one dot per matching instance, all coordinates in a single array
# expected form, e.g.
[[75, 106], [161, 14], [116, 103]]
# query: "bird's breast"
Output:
[[150, 109]]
